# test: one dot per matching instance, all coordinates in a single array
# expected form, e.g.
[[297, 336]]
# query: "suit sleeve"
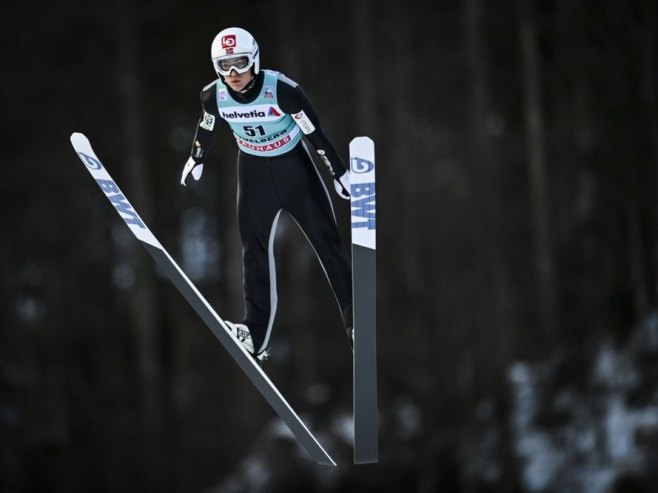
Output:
[[293, 100], [207, 125]]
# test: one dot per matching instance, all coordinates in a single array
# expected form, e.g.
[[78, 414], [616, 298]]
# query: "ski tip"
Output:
[[78, 137], [362, 139]]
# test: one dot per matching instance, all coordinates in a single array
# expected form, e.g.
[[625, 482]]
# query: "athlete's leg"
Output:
[[258, 212], [305, 197]]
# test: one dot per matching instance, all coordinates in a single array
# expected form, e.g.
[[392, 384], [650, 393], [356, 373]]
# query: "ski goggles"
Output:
[[239, 63]]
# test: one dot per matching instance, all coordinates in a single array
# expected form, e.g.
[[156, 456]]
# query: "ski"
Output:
[[189, 291], [364, 248]]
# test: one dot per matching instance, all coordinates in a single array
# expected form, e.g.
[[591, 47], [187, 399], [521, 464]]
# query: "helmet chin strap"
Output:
[[249, 85]]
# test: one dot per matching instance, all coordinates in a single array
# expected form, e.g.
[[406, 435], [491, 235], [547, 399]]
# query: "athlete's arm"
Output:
[[293, 100], [208, 123]]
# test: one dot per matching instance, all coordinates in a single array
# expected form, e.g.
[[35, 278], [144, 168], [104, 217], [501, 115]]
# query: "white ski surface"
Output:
[[195, 298]]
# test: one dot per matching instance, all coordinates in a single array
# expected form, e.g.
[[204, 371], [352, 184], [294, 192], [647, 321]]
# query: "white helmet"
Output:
[[234, 49]]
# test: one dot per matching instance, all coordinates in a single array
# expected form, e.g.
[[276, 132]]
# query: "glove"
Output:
[[191, 166], [342, 185]]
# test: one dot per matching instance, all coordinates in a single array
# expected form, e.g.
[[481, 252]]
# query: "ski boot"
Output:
[[243, 335]]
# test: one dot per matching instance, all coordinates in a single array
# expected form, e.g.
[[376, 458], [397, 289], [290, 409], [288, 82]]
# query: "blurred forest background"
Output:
[[517, 144]]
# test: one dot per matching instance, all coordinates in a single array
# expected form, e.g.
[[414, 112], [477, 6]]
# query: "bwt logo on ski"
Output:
[[90, 162], [362, 165], [363, 196], [120, 203], [363, 205]]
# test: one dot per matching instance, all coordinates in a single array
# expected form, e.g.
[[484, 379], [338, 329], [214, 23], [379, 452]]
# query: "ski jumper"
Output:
[[276, 173]]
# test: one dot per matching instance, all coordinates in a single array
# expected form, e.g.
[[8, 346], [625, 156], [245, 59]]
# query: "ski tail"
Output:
[[205, 311], [364, 250]]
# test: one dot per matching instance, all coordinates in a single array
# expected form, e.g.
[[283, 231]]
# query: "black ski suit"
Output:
[[268, 185]]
